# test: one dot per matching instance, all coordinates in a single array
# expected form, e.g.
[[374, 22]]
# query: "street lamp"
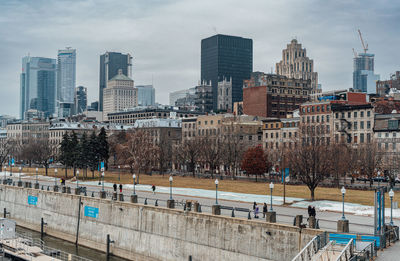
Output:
[[37, 176], [216, 191], [134, 184], [55, 177], [391, 195], [271, 186], [77, 179], [102, 177], [119, 173], [343, 190], [170, 187]]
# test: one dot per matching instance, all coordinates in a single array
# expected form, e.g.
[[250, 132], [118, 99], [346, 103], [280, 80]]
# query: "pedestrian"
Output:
[[256, 212], [309, 210], [313, 211], [120, 188], [254, 205], [265, 210], [115, 187], [154, 189]]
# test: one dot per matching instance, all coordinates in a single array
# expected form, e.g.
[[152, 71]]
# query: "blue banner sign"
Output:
[[91, 212], [32, 200]]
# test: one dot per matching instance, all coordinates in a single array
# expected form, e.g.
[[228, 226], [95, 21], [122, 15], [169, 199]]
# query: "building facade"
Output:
[[225, 95], [204, 97], [271, 95], [120, 94], [146, 95], [281, 133], [383, 87], [66, 79], [226, 56], [110, 63], [80, 99], [174, 96], [296, 64], [364, 78], [38, 85]]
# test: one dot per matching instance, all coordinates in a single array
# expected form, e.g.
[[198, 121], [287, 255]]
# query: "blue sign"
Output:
[[285, 174], [32, 200], [91, 212]]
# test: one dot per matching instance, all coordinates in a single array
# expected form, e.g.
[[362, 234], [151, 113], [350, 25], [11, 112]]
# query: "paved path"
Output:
[[391, 253], [285, 214]]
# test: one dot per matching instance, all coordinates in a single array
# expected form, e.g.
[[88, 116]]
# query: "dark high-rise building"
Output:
[[110, 63], [225, 56]]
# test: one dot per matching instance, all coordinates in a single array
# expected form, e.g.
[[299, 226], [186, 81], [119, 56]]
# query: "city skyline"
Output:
[[329, 35]]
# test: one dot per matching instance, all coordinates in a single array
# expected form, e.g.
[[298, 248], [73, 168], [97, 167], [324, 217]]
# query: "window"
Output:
[[336, 115], [362, 138], [368, 137], [272, 135], [368, 125], [205, 122], [322, 118], [211, 122], [386, 135], [284, 134], [361, 125], [393, 146], [355, 125], [250, 137], [394, 134], [386, 146], [277, 135], [362, 114], [327, 118], [368, 113], [355, 114], [393, 124]]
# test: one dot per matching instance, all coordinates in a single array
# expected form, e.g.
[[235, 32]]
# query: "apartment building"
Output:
[[281, 133]]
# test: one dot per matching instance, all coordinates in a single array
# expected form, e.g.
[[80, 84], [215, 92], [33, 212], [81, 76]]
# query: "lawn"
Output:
[[297, 191]]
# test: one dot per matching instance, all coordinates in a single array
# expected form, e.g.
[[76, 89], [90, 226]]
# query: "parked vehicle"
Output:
[[380, 179]]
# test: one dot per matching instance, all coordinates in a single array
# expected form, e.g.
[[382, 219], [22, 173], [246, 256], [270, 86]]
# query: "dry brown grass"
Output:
[[297, 191]]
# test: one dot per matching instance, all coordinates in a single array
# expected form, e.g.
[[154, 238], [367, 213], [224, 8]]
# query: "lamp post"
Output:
[[134, 184], [216, 191], [343, 190], [55, 177], [391, 195], [20, 169], [77, 179], [119, 173], [37, 176], [170, 187], [271, 186]]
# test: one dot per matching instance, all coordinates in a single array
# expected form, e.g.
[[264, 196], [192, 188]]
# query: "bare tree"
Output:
[[163, 151], [6, 148], [234, 149], [211, 152], [44, 152], [369, 159], [188, 153]]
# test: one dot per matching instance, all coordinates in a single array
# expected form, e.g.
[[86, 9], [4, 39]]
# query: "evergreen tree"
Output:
[[65, 152], [92, 153], [74, 148], [103, 148], [83, 150]]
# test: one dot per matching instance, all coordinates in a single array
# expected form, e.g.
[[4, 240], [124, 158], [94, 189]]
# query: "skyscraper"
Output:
[[224, 56], [364, 79], [80, 99], [146, 95], [66, 78], [38, 85], [110, 63], [296, 64]]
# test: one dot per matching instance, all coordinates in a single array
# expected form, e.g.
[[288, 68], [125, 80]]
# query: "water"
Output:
[[69, 247]]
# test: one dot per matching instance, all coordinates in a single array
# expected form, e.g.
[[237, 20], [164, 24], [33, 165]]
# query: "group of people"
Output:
[[256, 210], [115, 186]]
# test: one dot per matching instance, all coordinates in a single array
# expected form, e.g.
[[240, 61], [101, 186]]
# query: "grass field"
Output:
[[298, 191]]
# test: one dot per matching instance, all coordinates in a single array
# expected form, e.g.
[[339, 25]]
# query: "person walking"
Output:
[[309, 211], [115, 187], [313, 212], [254, 205], [154, 189], [265, 210], [256, 211], [120, 188]]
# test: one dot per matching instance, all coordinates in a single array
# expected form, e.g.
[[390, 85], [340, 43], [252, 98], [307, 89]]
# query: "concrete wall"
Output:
[[154, 233]]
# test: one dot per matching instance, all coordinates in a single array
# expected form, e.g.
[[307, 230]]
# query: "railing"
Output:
[[367, 253], [307, 253], [347, 252]]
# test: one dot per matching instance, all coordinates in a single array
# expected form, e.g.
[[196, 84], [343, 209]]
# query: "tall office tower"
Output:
[[364, 79], [119, 95], [146, 95], [110, 63], [296, 64], [38, 85], [80, 99], [66, 78], [224, 56]]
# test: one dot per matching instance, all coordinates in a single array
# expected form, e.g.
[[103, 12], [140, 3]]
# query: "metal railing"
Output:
[[307, 253], [347, 252]]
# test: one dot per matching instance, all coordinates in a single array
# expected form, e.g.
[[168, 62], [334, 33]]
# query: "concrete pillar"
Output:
[[102, 194], [19, 183], [133, 198], [36, 185], [64, 189], [188, 206], [196, 207], [114, 196], [69, 190], [4, 181], [343, 226], [216, 209], [170, 203], [312, 222], [298, 220], [121, 197], [77, 191], [270, 216], [55, 188]]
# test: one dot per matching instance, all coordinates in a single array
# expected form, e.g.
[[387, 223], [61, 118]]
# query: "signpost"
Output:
[[91, 212], [32, 200]]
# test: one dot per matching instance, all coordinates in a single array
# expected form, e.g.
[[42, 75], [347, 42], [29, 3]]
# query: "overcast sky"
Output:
[[164, 37]]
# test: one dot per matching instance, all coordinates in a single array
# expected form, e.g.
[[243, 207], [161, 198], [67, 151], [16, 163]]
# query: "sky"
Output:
[[164, 36]]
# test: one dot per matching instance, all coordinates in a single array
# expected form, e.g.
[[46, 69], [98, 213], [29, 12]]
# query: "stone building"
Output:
[[120, 94], [162, 131], [189, 128], [383, 87], [22, 132], [271, 95], [296, 64], [225, 95], [204, 97]]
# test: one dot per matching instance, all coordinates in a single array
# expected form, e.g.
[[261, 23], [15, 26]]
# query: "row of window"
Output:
[[206, 122], [355, 114], [284, 135], [316, 108], [314, 119]]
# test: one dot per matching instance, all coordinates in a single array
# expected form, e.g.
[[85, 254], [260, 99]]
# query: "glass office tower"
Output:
[[364, 79], [66, 79], [225, 56], [38, 85], [146, 95], [110, 63]]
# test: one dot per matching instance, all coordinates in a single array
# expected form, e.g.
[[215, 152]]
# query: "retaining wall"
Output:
[[143, 232]]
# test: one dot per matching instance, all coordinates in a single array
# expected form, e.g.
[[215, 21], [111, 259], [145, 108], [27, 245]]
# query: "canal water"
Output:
[[69, 247]]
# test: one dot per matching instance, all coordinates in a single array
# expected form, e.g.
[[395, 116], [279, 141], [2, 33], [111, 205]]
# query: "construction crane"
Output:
[[365, 46], [355, 53]]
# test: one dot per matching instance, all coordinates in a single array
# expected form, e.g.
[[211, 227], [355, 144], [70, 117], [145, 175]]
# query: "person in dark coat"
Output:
[[265, 209], [309, 211], [115, 187], [154, 189], [120, 188], [313, 211]]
